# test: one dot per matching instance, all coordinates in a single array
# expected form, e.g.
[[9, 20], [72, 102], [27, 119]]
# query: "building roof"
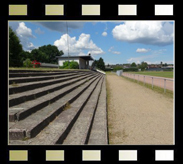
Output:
[[88, 57]]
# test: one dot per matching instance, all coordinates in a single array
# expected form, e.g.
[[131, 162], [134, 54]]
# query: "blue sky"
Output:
[[117, 42]]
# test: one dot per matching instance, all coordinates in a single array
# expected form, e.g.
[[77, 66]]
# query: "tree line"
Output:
[[133, 67], [43, 54]]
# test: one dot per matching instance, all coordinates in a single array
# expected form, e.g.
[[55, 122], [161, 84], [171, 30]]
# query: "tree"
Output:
[[15, 50], [46, 54], [25, 55], [94, 64], [101, 64], [51, 52], [40, 56], [143, 66], [165, 64], [133, 64]]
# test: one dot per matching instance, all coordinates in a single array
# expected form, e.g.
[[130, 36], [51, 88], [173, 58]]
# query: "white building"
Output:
[[83, 61]]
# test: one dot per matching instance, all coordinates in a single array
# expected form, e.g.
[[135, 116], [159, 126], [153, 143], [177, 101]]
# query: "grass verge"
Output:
[[160, 90], [108, 93], [67, 106], [166, 74]]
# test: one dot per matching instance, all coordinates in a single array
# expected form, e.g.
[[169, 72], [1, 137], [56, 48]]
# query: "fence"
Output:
[[49, 65], [162, 82]]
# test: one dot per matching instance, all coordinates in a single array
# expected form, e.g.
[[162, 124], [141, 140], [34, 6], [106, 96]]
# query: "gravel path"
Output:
[[138, 115]]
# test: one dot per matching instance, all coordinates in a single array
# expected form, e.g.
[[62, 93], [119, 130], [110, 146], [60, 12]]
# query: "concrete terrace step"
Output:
[[22, 87], [37, 78], [45, 71], [99, 132], [18, 98], [42, 76], [24, 70], [33, 124], [23, 110], [57, 130], [34, 74], [80, 131]]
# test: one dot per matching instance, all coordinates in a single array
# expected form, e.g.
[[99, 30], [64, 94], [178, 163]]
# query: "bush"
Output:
[[116, 68], [132, 69], [27, 63], [74, 65], [35, 63], [168, 69], [70, 65]]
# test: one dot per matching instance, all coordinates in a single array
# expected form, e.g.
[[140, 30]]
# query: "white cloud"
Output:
[[161, 51], [83, 46], [114, 52], [104, 34], [39, 31], [110, 49], [105, 30], [154, 55], [146, 32], [142, 50], [24, 33]]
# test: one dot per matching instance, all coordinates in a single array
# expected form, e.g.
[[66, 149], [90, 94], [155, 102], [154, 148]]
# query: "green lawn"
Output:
[[168, 74]]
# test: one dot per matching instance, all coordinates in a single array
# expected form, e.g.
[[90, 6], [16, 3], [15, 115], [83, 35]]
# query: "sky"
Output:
[[117, 42]]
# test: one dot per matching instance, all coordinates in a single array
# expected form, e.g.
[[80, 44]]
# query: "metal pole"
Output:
[[67, 44], [144, 80], [152, 82], [164, 85], [138, 78]]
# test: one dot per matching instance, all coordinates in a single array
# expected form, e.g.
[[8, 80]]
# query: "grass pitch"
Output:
[[166, 74]]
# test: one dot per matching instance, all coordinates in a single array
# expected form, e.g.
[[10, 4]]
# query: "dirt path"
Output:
[[138, 115]]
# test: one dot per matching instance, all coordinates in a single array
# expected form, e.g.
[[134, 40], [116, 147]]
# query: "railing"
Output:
[[166, 83], [49, 65], [100, 71]]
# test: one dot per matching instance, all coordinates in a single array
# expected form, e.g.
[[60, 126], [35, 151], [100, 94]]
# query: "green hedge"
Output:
[[132, 69], [117, 68], [27, 63], [70, 65]]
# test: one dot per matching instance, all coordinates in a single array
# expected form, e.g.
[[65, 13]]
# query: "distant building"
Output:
[[159, 67], [126, 65], [168, 67], [150, 66], [83, 61]]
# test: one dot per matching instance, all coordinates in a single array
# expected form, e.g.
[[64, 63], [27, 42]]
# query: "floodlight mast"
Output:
[[67, 42]]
